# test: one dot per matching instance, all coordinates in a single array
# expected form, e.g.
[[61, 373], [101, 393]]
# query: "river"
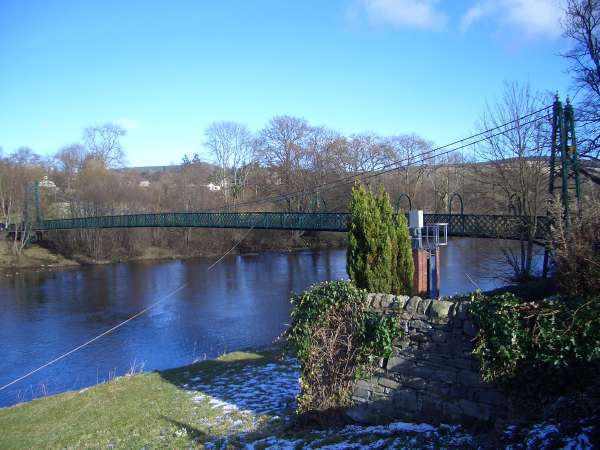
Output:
[[242, 302]]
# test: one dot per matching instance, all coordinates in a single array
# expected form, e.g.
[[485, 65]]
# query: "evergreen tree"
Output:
[[359, 236], [379, 257], [383, 273], [369, 255], [404, 266]]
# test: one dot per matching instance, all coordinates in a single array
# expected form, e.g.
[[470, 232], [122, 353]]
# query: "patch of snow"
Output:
[[248, 398], [579, 442], [257, 390], [510, 431], [411, 427], [539, 436], [395, 435]]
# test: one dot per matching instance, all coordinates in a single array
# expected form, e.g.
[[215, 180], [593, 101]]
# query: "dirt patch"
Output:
[[33, 256]]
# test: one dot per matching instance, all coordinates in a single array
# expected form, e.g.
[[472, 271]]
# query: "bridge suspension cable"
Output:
[[397, 164], [409, 161]]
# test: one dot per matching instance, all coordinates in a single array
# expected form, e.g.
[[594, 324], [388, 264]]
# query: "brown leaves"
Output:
[[335, 353]]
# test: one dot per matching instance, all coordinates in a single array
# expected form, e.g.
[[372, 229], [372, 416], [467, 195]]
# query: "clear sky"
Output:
[[166, 69]]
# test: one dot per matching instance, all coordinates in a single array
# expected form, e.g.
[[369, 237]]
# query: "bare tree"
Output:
[[231, 145], [17, 171], [454, 173], [7, 190], [582, 26], [323, 148], [281, 146], [442, 178], [411, 150], [366, 152], [70, 161], [103, 143], [25, 156], [516, 168]]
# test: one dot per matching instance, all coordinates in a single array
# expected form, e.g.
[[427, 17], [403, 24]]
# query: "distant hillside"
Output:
[[161, 169]]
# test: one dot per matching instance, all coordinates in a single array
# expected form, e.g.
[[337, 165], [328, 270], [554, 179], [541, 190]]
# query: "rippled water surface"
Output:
[[242, 302]]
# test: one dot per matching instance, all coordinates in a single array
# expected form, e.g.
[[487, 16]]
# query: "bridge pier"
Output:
[[426, 278], [420, 284], [426, 240]]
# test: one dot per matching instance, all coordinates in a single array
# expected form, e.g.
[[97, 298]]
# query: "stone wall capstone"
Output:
[[431, 374]]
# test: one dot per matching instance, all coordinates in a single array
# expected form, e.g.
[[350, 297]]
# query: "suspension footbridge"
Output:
[[472, 225], [562, 167]]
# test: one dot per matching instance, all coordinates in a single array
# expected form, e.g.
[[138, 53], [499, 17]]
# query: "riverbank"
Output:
[[240, 400], [33, 257], [153, 253], [48, 254]]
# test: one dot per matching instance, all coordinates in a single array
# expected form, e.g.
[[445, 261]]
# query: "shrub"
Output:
[[379, 257], [542, 347], [404, 266], [336, 340], [369, 257], [576, 249]]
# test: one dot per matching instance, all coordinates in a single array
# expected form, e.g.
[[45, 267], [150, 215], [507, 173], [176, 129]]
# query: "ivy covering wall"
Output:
[[541, 348], [336, 339]]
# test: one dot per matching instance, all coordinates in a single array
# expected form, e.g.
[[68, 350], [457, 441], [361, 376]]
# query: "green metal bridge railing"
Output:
[[473, 225]]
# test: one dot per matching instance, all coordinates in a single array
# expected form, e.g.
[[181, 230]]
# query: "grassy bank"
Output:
[[34, 256], [146, 410], [241, 400]]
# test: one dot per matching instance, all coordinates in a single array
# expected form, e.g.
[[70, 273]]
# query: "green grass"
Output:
[[184, 408], [146, 410]]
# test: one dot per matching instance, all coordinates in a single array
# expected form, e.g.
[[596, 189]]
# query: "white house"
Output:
[[213, 187], [46, 183]]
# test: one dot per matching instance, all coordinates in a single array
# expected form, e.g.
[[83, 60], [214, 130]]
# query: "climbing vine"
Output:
[[543, 347], [336, 339]]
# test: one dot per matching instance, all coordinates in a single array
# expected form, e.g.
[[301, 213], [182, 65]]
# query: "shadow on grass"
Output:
[[250, 393], [193, 433], [259, 383], [258, 388]]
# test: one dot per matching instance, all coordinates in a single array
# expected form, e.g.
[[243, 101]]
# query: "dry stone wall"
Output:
[[431, 374]]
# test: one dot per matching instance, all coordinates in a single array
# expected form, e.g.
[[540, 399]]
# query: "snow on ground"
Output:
[[252, 404], [581, 441], [397, 435], [258, 390], [549, 436]]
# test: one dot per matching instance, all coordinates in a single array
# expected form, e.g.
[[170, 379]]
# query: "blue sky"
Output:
[[166, 69]]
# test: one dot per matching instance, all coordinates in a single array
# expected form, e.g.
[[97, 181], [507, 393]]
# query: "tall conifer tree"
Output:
[[404, 266], [379, 256]]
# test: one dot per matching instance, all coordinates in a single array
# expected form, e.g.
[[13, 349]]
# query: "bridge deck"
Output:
[[474, 225]]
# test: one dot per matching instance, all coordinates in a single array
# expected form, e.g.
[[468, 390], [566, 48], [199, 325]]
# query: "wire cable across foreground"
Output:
[[119, 325]]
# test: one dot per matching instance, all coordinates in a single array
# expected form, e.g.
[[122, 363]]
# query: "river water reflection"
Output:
[[242, 302]]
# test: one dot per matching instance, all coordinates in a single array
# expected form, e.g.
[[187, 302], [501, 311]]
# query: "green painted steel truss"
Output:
[[474, 225]]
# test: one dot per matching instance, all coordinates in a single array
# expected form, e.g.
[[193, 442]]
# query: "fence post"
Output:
[[38, 211]]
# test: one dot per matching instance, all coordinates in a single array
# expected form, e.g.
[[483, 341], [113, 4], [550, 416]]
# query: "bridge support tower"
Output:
[[564, 177]]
